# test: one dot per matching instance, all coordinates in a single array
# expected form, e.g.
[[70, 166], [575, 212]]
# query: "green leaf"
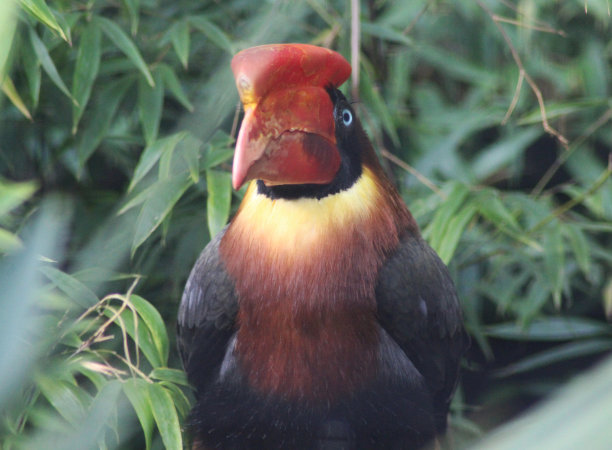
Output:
[[160, 200], [150, 103], [151, 155], [454, 230], [14, 194], [155, 324], [171, 82], [218, 203], [8, 21], [165, 416], [440, 223], [85, 71], [41, 12], [566, 352], [63, 396], [385, 32], [492, 208], [70, 286], [9, 90], [190, 151], [179, 35], [104, 112], [125, 44], [550, 329], [555, 424], [133, 8], [212, 32], [580, 247], [31, 67], [139, 333], [47, 63], [137, 392], [172, 375], [554, 262]]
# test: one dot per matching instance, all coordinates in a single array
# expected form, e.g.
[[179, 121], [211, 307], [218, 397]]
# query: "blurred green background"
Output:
[[117, 123]]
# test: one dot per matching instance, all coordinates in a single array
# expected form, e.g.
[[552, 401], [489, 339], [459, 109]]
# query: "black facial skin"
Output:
[[347, 130]]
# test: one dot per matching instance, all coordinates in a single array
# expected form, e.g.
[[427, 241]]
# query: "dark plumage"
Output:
[[319, 318]]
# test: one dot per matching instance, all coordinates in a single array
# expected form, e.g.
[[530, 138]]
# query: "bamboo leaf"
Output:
[[171, 375], [47, 63], [219, 199], [125, 44], [179, 36], [103, 114], [550, 329], [165, 416], [41, 12], [155, 324], [14, 194], [151, 156], [159, 202], [70, 286], [172, 83], [150, 103], [212, 32], [11, 92], [85, 71], [31, 67], [137, 392]]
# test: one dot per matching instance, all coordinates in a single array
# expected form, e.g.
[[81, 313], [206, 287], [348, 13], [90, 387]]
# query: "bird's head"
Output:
[[298, 130]]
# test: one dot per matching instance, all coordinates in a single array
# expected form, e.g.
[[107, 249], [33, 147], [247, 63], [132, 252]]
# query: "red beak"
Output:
[[287, 134]]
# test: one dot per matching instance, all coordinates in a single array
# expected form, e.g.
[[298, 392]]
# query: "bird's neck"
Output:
[[305, 273]]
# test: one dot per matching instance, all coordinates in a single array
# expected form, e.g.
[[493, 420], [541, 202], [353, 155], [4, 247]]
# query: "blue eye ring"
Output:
[[347, 117]]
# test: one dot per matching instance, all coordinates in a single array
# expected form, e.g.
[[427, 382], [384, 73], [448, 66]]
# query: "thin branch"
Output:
[[515, 97], [408, 168], [414, 21], [355, 46], [603, 119], [534, 87], [576, 200]]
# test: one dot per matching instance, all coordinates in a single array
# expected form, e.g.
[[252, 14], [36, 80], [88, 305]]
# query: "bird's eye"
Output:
[[347, 117]]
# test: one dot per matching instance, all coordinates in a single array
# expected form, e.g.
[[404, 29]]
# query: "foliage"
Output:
[[116, 134]]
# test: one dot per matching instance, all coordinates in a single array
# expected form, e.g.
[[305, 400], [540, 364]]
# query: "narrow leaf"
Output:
[[158, 204], [31, 67], [85, 71], [14, 194], [179, 35], [212, 32], [137, 392], [454, 230], [219, 199], [150, 102], [9, 242], [133, 7], [70, 286], [63, 397], [154, 323], [171, 82], [580, 247], [125, 44], [104, 112], [165, 416], [151, 155], [41, 12], [47, 63], [172, 375], [550, 329], [11, 92]]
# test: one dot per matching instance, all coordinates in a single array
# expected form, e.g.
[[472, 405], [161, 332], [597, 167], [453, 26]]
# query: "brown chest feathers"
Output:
[[305, 273]]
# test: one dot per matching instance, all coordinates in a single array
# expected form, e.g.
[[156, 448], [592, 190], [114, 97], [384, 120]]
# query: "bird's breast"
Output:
[[305, 274]]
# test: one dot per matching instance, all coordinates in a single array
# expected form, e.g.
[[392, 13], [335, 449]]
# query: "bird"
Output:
[[318, 318]]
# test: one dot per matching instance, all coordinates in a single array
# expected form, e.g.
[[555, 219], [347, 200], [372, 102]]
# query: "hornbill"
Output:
[[319, 317]]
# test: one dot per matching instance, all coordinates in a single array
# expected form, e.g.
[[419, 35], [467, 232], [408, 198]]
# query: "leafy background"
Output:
[[117, 124]]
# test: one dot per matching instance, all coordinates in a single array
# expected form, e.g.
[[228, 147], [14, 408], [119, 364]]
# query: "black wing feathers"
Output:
[[418, 306], [206, 316]]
